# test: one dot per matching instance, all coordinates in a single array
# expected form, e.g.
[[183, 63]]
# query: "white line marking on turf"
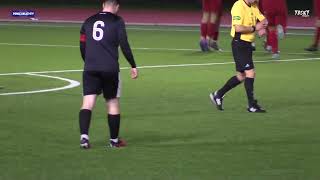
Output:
[[196, 30], [71, 84], [164, 66], [54, 22], [38, 45], [174, 29], [222, 63], [134, 48], [39, 72]]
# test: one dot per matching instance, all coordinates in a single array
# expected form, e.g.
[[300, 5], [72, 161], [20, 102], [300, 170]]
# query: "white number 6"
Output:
[[97, 33]]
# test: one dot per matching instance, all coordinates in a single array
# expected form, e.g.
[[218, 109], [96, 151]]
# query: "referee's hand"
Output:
[[134, 73], [260, 26], [262, 32]]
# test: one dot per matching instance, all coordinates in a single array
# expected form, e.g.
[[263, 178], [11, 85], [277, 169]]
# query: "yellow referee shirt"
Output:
[[245, 15]]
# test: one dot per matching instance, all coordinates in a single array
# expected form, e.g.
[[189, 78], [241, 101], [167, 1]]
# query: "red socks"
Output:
[[213, 31], [204, 30], [273, 40], [216, 35], [268, 38], [317, 38]]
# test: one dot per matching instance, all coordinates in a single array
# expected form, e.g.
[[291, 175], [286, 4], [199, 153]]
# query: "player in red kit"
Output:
[[315, 45], [212, 11], [276, 13]]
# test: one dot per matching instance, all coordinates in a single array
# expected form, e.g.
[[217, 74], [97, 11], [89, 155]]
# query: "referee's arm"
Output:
[[250, 29], [244, 29], [261, 17]]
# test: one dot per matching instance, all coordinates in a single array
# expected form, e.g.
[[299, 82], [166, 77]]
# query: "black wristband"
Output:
[[254, 29]]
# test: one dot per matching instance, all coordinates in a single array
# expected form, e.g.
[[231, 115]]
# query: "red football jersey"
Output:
[[275, 11], [317, 7], [273, 5], [212, 5]]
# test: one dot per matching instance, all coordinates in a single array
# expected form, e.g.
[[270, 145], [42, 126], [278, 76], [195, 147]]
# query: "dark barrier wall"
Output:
[[165, 4]]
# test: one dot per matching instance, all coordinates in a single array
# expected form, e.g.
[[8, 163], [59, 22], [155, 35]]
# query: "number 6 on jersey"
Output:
[[97, 32]]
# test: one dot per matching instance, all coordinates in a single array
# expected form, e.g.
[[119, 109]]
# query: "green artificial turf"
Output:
[[172, 129]]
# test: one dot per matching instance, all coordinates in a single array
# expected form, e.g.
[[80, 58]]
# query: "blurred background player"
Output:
[[210, 23], [276, 13], [315, 45]]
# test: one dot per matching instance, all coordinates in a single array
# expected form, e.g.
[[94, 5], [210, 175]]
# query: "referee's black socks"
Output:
[[114, 125], [231, 83], [84, 121], [248, 84]]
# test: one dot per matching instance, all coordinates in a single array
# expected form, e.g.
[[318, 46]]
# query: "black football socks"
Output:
[[114, 126], [84, 121], [248, 84], [231, 83]]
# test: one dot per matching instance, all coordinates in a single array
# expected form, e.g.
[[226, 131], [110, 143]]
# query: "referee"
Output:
[[100, 37], [245, 14]]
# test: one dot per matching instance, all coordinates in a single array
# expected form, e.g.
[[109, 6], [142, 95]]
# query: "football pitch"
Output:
[[172, 129]]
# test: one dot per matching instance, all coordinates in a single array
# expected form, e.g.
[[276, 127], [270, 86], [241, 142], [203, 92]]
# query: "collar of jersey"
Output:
[[246, 3]]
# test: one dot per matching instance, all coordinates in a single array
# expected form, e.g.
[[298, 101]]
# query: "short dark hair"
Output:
[[115, 2]]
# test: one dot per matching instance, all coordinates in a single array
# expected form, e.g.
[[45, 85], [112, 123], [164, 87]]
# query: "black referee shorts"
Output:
[[242, 54], [97, 82]]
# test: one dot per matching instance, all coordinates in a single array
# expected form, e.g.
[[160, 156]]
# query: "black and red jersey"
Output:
[[100, 37]]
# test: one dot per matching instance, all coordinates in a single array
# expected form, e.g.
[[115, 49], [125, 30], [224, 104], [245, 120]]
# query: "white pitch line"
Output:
[[197, 30], [38, 45], [165, 66], [40, 72], [223, 63], [71, 84], [73, 46], [137, 28], [174, 27], [134, 48]]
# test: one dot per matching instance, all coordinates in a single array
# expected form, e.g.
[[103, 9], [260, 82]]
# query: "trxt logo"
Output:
[[302, 13]]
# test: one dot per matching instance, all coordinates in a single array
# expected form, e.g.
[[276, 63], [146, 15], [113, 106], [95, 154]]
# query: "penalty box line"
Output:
[[164, 66], [134, 48]]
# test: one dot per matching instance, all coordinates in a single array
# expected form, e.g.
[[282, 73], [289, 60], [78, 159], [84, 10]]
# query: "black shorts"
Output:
[[96, 82], [242, 54]]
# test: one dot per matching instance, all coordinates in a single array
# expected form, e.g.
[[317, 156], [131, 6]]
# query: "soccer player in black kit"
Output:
[[100, 37]]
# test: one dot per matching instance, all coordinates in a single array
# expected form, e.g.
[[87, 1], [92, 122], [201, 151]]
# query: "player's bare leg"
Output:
[[113, 109], [88, 104]]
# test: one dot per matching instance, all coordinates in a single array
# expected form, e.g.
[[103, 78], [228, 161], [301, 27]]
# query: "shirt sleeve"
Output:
[[259, 15], [237, 15], [124, 44]]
